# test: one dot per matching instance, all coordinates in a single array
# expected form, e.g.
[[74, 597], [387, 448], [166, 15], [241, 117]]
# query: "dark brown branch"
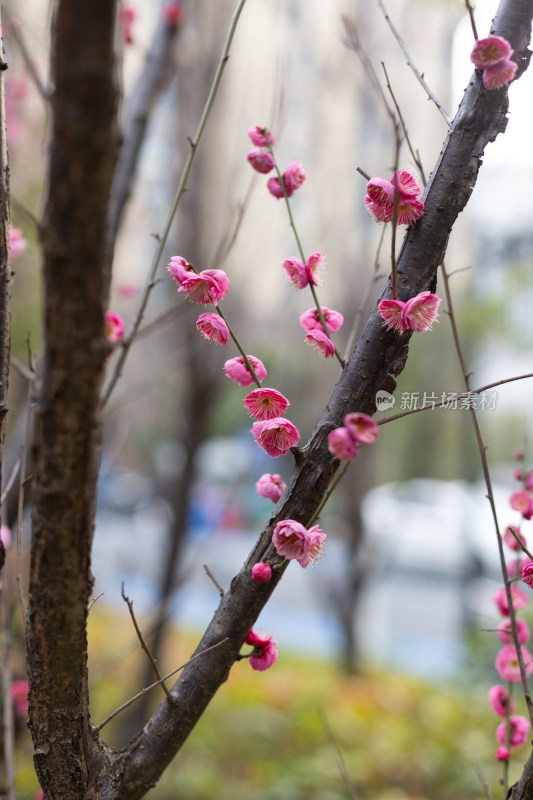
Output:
[[377, 359], [83, 153], [5, 265]]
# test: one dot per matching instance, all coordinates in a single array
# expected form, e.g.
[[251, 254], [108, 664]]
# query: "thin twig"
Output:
[[153, 685], [417, 74], [10, 482], [354, 333], [340, 758], [472, 20], [180, 191], [415, 156], [145, 646], [217, 584], [353, 41], [30, 66], [490, 496], [93, 601]]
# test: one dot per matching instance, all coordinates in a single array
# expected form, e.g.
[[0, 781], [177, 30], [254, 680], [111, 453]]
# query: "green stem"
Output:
[[329, 492], [239, 348], [180, 191]]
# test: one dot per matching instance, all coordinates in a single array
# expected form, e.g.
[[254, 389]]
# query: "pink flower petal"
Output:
[[266, 403]]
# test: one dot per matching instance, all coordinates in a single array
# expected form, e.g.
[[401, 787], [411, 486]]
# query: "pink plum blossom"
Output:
[[275, 436], [519, 731], [260, 136], [502, 754], [522, 502], [271, 486], [500, 700], [420, 312], [208, 286], [296, 271], [493, 56], [19, 695], [489, 51], [318, 339], [173, 13], [294, 176], [114, 327], [526, 569], [261, 160], [179, 268], [342, 444], [519, 453], [504, 631], [391, 313], [314, 267], [507, 665], [381, 195], [519, 597], [126, 18], [266, 403], [510, 539], [213, 328], [265, 652], [293, 541], [362, 427], [310, 320], [514, 568], [17, 242], [261, 572], [237, 370], [5, 535]]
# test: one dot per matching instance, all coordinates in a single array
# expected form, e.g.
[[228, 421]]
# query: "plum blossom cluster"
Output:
[[514, 730], [358, 428], [401, 191], [262, 160], [417, 314], [493, 56], [293, 540]]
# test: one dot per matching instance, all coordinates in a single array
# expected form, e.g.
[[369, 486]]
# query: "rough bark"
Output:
[[76, 277], [5, 266], [376, 361]]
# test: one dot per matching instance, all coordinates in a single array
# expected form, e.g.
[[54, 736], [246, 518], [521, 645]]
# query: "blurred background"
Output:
[[383, 654]]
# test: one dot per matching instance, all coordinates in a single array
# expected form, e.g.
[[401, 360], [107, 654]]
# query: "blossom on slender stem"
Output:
[[493, 56], [179, 268], [293, 541], [522, 502], [261, 572], [502, 754], [271, 486], [519, 731], [237, 370], [519, 597], [17, 242], [275, 436], [260, 136], [362, 427], [504, 631], [420, 312], [510, 539], [127, 16], [208, 286], [265, 652], [526, 569], [318, 339], [301, 274], [114, 327], [292, 178], [213, 328], [173, 13], [261, 160], [500, 700], [381, 197], [310, 320], [507, 665], [265, 403]]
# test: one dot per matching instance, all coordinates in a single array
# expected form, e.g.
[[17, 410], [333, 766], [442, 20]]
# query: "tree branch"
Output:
[[377, 359]]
